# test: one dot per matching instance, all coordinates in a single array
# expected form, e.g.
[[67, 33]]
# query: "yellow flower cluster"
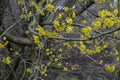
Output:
[[2, 45], [82, 47], [40, 30], [69, 21], [110, 68], [115, 12], [117, 22], [60, 15], [96, 24], [6, 60], [29, 70], [44, 68], [39, 9], [29, 14], [105, 14], [58, 26], [108, 22], [36, 39], [67, 44], [48, 52], [49, 7], [97, 49], [86, 31], [72, 15], [31, 4], [20, 2], [69, 29], [44, 33], [43, 72], [66, 9]]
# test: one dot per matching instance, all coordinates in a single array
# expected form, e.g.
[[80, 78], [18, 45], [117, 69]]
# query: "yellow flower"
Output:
[[96, 24], [101, 62], [117, 59], [4, 38], [20, 2], [69, 29], [110, 5], [40, 31], [43, 72], [116, 53], [117, 22], [56, 24], [16, 53], [60, 50], [66, 9], [110, 68], [59, 64], [86, 31], [98, 49], [69, 21], [65, 69], [36, 39], [22, 16], [73, 14], [82, 47], [56, 59], [108, 22], [60, 15], [105, 13], [49, 7], [84, 22], [29, 70], [6, 60], [47, 53], [29, 14], [31, 3], [47, 50], [115, 11]]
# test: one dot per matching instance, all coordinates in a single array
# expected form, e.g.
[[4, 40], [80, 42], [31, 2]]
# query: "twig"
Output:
[[86, 39], [7, 12], [7, 76], [23, 71], [9, 28]]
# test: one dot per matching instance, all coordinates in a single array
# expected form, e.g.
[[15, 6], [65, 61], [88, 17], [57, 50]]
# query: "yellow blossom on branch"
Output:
[[65, 69], [36, 39], [4, 38], [69, 29], [66, 9], [82, 47], [6, 60], [31, 4], [69, 21], [29, 14], [110, 68], [108, 22], [49, 7], [97, 24], [29, 70], [86, 31]]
